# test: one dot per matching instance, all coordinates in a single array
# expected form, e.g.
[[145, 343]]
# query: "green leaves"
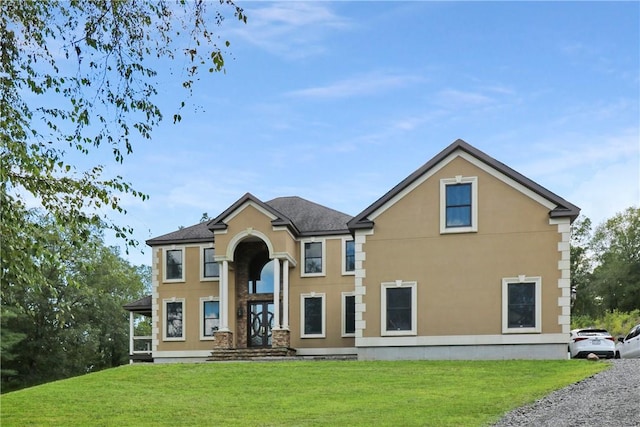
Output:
[[605, 266], [75, 76], [69, 320]]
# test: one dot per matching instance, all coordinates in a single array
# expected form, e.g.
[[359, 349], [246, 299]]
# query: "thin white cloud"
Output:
[[567, 153], [291, 29], [452, 98], [367, 84]]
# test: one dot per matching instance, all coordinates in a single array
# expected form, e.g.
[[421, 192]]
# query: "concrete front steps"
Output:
[[268, 354]]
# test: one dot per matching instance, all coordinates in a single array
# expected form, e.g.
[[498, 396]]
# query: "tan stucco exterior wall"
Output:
[[459, 276], [191, 290]]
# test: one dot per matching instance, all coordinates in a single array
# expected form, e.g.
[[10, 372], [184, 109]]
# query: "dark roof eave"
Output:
[[362, 224], [280, 222], [561, 212], [324, 233], [157, 242], [217, 226]]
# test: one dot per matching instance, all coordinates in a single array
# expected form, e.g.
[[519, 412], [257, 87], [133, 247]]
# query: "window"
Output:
[[313, 255], [210, 268], [399, 309], [173, 329], [262, 284], [173, 265], [348, 314], [210, 315], [349, 256], [521, 311], [458, 205], [312, 315]]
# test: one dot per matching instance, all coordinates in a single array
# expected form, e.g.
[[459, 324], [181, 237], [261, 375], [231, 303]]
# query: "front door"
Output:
[[260, 323]]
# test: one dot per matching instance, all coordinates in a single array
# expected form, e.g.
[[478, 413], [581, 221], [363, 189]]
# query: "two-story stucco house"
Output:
[[464, 259]]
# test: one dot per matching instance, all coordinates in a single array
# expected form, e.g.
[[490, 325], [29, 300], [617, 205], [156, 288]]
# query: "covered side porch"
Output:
[[139, 345]]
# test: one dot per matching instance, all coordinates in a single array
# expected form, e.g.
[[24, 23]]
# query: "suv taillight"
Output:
[[580, 339]]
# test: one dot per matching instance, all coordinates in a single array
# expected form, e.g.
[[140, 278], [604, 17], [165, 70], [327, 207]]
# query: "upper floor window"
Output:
[[399, 308], [458, 204], [313, 255], [210, 268], [521, 304], [349, 256], [174, 260]]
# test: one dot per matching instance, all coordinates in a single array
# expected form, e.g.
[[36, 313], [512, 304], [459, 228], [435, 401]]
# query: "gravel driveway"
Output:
[[609, 398]]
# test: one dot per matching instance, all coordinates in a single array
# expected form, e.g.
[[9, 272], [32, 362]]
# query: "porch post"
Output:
[[285, 294], [131, 333], [224, 296], [276, 293]]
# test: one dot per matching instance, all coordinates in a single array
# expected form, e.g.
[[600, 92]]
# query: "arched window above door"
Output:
[[262, 283]]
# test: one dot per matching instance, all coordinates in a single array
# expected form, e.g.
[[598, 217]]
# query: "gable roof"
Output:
[[301, 216], [563, 207]]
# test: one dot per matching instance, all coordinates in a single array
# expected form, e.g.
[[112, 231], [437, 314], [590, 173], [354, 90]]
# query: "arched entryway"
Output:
[[260, 303], [254, 286]]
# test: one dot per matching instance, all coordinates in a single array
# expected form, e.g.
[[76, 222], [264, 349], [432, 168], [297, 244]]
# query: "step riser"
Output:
[[251, 354]]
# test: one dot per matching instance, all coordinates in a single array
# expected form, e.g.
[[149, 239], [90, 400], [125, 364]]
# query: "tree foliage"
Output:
[[73, 322], [605, 265], [76, 77]]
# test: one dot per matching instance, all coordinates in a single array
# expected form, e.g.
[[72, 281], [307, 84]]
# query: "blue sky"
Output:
[[337, 102]]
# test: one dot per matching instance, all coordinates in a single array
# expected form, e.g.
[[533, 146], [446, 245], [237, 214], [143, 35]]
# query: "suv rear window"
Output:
[[592, 332]]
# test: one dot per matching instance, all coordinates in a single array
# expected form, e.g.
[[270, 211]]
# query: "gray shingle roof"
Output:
[[303, 217], [309, 217], [143, 305], [193, 234]]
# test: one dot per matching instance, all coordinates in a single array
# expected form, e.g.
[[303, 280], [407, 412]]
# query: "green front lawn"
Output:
[[328, 393]]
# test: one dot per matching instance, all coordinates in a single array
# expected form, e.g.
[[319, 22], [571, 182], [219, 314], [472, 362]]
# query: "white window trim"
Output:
[[473, 180], [202, 301], [303, 259], [202, 276], [182, 250], [164, 319], [414, 308], [537, 280], [344, 257], [302, 315], [343, 323]]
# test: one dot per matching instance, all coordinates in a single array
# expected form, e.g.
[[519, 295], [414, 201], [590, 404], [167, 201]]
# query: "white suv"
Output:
[[629, 346]]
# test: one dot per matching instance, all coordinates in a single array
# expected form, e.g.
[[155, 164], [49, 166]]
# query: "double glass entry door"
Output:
[[260, 323]]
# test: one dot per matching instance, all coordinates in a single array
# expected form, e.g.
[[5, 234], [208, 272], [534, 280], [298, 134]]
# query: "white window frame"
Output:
[[323, 244], [182, 250], [202, 276], [537, 280], [343, 324], [344, 241], [203, 337], [302, 315], [164, 319], [459, 179], [414, 308]]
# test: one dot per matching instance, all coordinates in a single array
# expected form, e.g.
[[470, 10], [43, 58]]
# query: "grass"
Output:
[[319, 393]]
